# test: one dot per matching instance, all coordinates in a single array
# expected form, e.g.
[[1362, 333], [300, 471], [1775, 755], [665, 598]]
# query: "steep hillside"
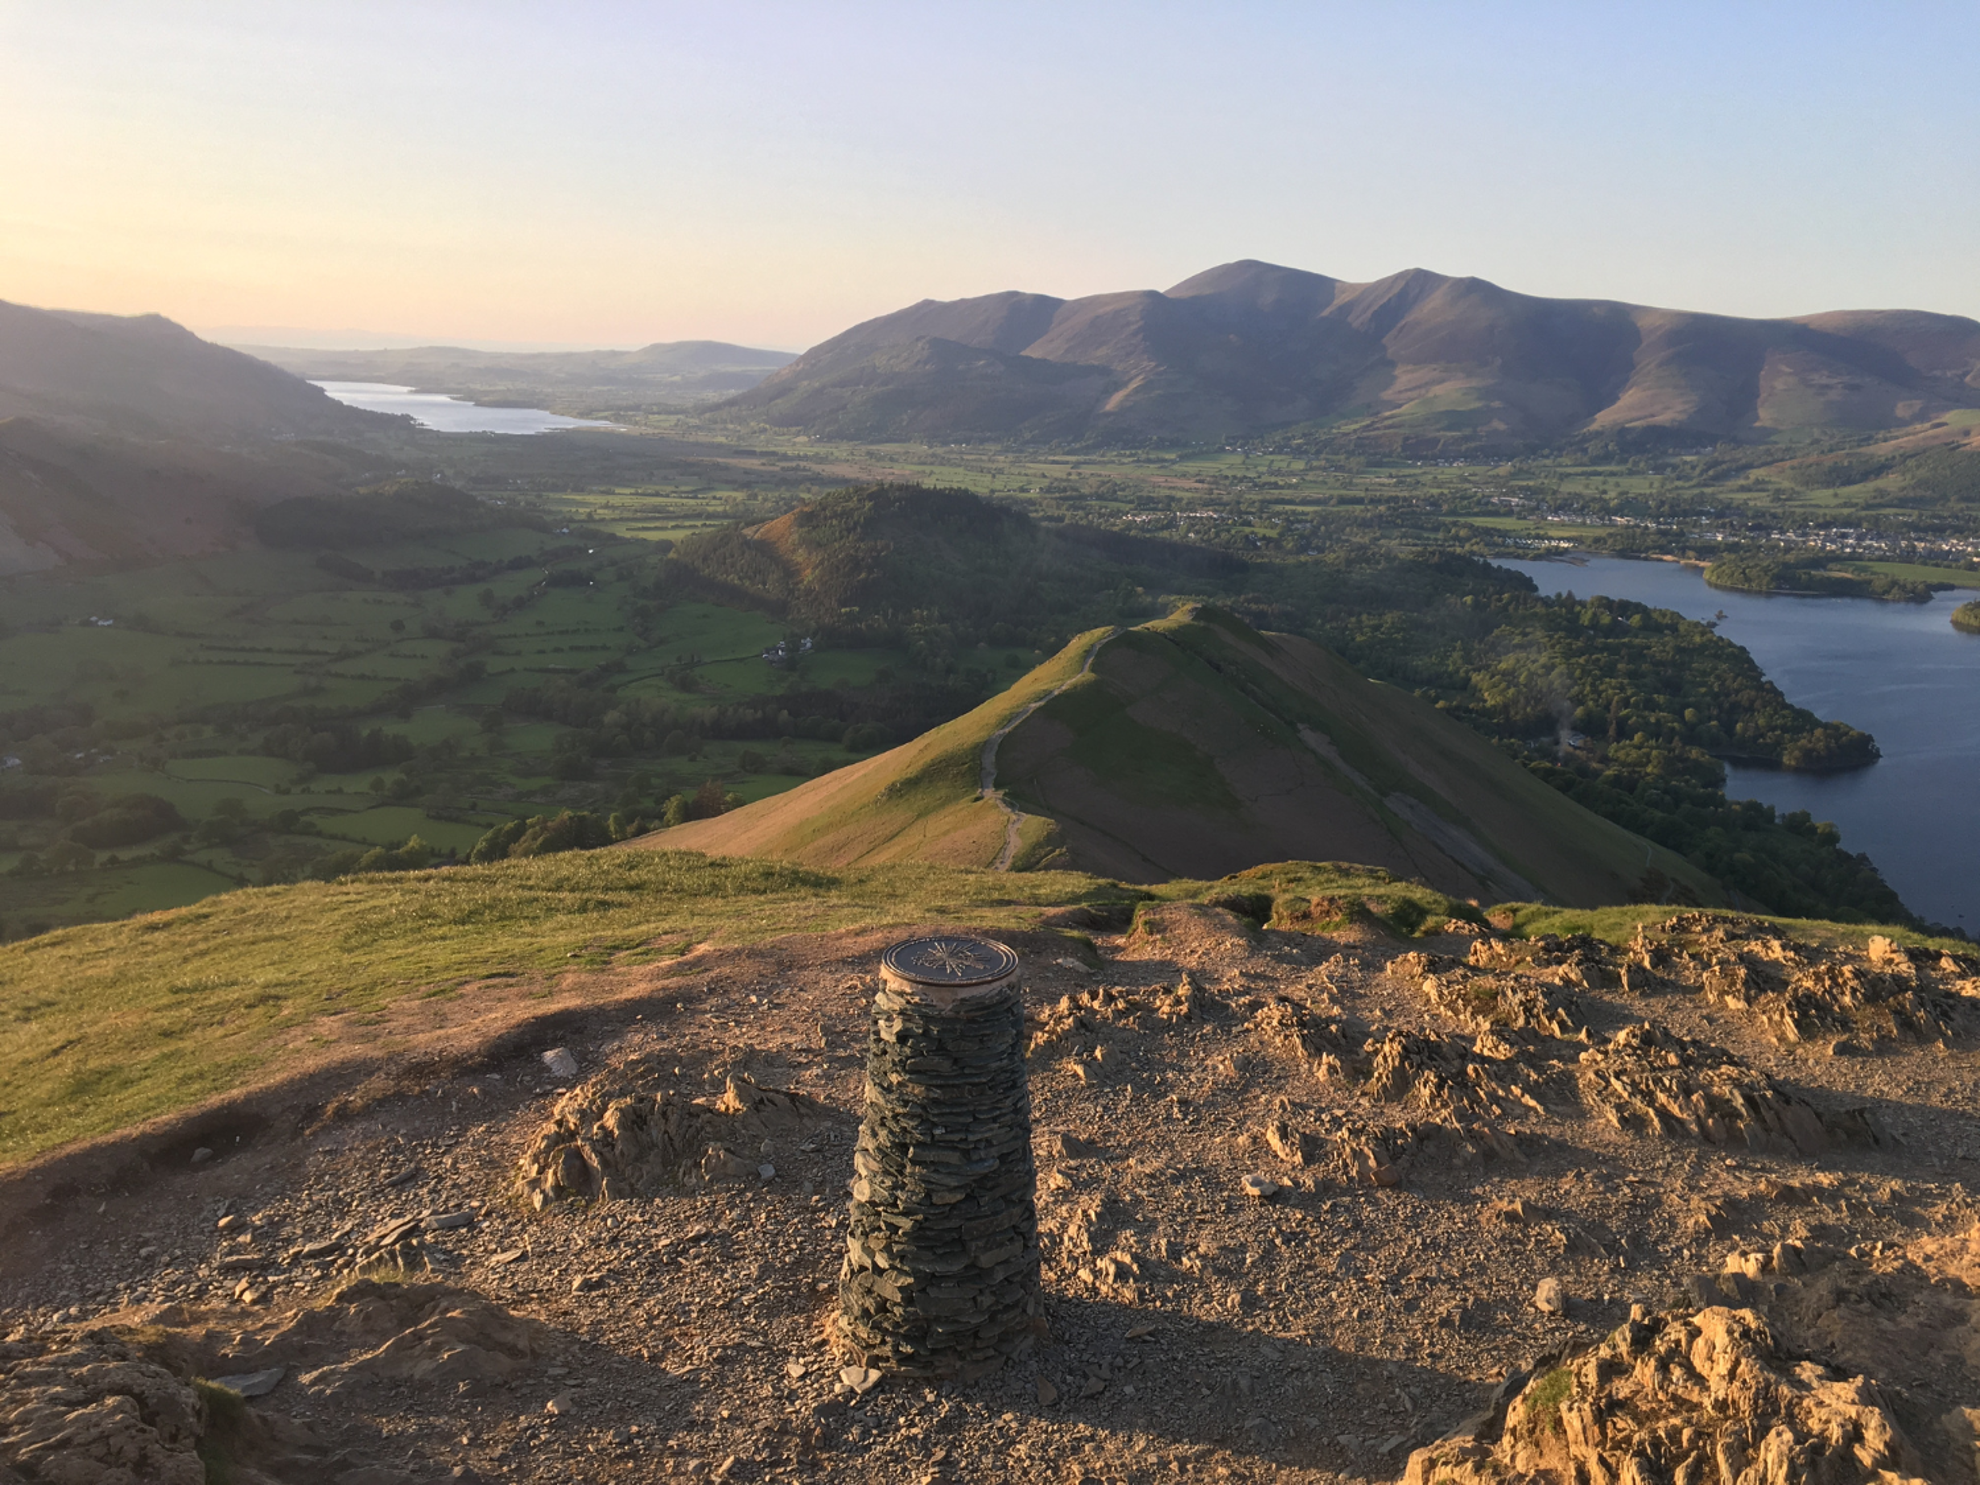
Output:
[[129, 439], [1251, 345], [143, 376], [68, 496], [1194, 746], [667, 373]]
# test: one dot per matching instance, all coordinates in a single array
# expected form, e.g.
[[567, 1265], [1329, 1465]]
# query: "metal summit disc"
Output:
[[952, 963]]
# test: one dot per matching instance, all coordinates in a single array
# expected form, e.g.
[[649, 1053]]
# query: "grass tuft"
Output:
[[1545, 1401]]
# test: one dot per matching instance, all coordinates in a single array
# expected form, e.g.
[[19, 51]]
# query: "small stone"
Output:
[[253, 1384], [1261, 1187], [442, 1221], [1072, 1147], [227, 1223], [560, 1064], [403, 1178], [561, 1405], [586, 1283], [1047, 1393], [201, 1155], [508, 1255], [767, 1171], [794, 1370], [620, 1436], [1550, 1297], [862, 1379]]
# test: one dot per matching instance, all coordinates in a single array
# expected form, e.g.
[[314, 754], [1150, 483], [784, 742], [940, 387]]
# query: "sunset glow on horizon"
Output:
[[602, 174]]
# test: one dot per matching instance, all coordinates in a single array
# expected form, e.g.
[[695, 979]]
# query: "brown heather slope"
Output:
[[1196, 747], [1252, 345]]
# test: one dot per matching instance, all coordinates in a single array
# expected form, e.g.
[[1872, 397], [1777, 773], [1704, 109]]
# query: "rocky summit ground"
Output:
[[1321, 1207]]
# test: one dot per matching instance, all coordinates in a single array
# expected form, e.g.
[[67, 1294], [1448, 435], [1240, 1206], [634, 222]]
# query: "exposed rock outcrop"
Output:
[[1693, 1398], [92, 1410], [431, 1333], [618, 1138], [1645, 1076]]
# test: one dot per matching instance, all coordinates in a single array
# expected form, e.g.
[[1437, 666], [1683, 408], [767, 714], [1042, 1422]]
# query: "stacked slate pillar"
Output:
[[941, 1269]]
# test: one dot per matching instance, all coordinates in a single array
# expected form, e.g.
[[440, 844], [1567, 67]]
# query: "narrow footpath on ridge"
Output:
[[987, 786]]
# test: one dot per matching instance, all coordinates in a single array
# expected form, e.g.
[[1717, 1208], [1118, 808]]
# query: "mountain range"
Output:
[[1251, 346]]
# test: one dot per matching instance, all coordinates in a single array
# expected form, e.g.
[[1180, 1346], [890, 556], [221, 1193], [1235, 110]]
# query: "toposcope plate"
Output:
[[955, 963]]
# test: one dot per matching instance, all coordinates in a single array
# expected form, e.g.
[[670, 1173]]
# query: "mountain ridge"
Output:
[[1196, 745], [144, 376], [1248, 345]]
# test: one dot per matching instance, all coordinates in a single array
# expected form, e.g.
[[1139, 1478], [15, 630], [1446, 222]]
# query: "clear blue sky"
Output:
[[618, 173]]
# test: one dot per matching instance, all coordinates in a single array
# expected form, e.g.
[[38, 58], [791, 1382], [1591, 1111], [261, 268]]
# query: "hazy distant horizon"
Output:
[[309, 338], [614, 174], [318, 338]]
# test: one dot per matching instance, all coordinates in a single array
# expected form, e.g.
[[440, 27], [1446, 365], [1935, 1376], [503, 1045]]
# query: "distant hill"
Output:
[[1416, 356], [871, 560], [128, 439], [144, 377], [1196, 746], [666, 374]]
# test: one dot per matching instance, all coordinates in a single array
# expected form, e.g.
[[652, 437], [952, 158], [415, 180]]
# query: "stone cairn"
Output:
[[941, 1269]]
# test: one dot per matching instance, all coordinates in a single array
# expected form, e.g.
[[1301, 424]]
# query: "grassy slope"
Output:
[[110, 1024], [1172, 696], [1181, 754], [1567, 850], [917, 802]]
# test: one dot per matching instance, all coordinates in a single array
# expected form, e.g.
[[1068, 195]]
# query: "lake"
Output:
[[445, 414], [1899, 671]]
